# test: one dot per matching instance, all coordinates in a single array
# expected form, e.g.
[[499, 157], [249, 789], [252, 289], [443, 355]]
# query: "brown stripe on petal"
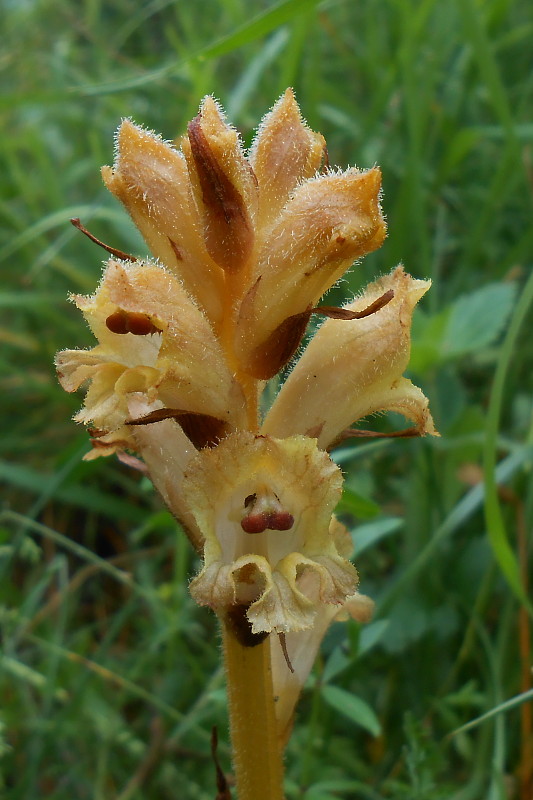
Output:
[[315, 431], [202, 429], [364, 434], [175, 248], [277, 350], [228, 231]]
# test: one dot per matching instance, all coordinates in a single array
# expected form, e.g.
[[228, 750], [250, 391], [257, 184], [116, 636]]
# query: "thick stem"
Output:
[[257, 751]]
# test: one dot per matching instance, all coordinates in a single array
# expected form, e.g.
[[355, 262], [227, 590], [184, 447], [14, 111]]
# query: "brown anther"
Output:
[[280, 521], [255, 523], [122, 322], [267, 520], [112, 250], [265, 513]]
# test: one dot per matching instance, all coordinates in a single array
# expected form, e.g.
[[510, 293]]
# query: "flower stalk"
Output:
[[245, 245], [256, 745]]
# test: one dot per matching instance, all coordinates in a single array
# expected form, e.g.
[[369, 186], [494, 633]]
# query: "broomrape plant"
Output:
[[244, 247]]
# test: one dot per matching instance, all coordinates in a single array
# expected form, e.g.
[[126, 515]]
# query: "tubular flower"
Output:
[[244, 247]]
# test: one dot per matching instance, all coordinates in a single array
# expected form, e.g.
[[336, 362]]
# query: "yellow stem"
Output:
[[257, 751], [256, 745]]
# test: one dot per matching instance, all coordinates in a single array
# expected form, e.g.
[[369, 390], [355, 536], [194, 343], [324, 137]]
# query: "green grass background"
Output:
[[109, 674]]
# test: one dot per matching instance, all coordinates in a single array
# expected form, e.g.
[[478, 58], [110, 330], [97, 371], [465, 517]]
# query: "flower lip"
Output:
[[290, 563]]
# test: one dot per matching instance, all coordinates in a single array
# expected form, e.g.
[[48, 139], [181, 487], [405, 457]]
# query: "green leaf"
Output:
[[368, 535], [357, 505], [259, 25], [353, 708], [371, 634], [477, 319], [427, 334], [79, 495], [501, 708], [496, 529]]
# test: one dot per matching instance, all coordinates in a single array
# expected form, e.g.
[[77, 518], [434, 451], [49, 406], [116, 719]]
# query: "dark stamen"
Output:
[[112, 250], [135, 322], [267, 520]]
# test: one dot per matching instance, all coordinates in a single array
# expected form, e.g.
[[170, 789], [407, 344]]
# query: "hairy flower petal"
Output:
[[150, 177], [328, 223], [354, 368], [245, 248], [182, 365], [302, 647], [284, 152], [224, 186], [166, 451], [283, 575]]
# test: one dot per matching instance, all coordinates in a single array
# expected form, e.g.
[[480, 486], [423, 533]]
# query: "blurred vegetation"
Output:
[[109, 673]]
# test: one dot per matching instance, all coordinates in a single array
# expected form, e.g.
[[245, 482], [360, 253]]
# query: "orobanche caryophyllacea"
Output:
[[244, 247]]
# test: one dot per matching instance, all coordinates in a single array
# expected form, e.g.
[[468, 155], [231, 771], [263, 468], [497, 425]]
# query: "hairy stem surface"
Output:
[[257, 752]]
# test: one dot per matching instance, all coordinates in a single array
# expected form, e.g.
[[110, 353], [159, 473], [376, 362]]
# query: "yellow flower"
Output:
[[265, 507], [244, 247], [353, 368]]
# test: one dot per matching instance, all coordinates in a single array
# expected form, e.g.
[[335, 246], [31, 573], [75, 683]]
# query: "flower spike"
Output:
[[244, 247]]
